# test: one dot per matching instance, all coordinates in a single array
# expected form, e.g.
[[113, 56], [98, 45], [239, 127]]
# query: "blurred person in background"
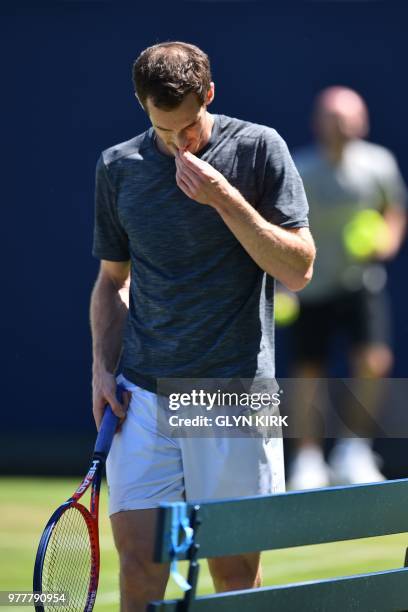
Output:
[[343, 175]]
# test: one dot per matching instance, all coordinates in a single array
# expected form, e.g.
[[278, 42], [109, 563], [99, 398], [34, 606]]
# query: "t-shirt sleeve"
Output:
[[283, 200], [110, 240], [393, 188]]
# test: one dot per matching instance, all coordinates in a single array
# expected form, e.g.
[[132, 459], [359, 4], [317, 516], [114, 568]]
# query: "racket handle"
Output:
[[108, 427]]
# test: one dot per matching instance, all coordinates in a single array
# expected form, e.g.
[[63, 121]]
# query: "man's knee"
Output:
[[141, 580], [236, 572], [145, 578], [373, 361]]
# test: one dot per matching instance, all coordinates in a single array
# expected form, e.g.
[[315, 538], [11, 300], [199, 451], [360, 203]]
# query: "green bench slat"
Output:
[[376, 592], [294, 519]]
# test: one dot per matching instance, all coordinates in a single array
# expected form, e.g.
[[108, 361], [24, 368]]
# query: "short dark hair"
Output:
[[168, 72]]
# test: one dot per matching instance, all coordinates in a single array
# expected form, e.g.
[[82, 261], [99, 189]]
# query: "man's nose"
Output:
[[181, 141]]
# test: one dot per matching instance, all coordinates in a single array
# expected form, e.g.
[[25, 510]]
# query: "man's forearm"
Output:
[[108, 316], [286, 255], [395, 217]]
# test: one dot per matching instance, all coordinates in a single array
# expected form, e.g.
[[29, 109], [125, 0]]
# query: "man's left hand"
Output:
[[199, 180]]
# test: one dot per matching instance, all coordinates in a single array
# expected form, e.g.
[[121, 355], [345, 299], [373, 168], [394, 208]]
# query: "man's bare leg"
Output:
[[236, 572], [141, 580]]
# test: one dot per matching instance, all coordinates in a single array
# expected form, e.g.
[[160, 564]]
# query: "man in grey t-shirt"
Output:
[[197, 216], [345, 175]]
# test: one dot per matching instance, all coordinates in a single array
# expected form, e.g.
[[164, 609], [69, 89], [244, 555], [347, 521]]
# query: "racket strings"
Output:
[[68, 561]]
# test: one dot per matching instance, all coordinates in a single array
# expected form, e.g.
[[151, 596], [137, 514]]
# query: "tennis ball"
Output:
[[366, 233], [286, 308]]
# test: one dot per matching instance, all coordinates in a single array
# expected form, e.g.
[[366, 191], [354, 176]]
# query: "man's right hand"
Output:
[[104, 392]]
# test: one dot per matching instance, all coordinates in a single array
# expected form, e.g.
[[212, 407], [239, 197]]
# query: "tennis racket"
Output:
[[68, 556]]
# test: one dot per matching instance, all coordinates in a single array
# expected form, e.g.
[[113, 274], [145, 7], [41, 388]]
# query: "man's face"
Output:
[[331, 126], [184, 128], [340, 116]]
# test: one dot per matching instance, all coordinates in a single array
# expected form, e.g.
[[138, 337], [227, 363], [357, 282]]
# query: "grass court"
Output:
[[27, 503]]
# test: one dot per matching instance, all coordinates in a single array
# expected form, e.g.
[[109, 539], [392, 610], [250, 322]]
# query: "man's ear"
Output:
[[137, 98], [210, 94]]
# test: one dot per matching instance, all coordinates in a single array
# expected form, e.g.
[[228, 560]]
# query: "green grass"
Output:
[[26, 504]]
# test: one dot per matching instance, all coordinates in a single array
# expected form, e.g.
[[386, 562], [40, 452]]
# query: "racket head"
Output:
[[67, 558]]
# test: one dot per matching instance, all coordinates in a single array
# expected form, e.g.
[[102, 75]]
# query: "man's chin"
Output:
[[171, 149]]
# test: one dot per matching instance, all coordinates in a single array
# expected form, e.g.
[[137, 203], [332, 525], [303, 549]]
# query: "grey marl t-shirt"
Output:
[[367, 177], [200, 307]]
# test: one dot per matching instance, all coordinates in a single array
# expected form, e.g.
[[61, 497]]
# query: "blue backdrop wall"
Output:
[[67, 94]]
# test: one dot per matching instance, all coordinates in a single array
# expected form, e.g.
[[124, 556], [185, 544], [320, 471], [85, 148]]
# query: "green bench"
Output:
[[284, 521]]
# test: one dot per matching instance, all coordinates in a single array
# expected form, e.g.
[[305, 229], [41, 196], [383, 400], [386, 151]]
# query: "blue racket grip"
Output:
[[108, 426]]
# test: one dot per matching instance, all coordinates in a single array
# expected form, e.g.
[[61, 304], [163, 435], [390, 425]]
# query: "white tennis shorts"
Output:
[[145, 467]]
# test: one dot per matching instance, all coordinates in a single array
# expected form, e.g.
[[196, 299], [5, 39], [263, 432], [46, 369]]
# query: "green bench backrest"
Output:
[[299, 519]]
